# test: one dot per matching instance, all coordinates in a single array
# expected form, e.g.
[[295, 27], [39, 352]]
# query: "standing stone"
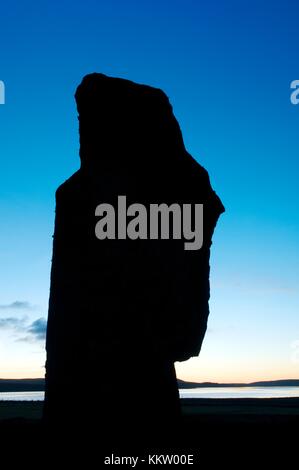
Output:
[[122, 311]]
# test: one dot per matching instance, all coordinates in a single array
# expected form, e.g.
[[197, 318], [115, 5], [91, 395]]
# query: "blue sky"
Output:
[[227, 68]]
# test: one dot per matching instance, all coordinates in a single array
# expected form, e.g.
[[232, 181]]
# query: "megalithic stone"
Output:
[[122, 311]]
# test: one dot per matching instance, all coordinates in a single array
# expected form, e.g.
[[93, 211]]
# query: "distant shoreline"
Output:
[[266, 383], [38, 385]]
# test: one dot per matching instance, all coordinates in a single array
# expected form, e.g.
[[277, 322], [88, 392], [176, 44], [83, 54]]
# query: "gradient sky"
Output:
[[227, 68]]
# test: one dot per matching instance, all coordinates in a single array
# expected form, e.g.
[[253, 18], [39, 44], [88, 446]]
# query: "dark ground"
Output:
[[230, 432]]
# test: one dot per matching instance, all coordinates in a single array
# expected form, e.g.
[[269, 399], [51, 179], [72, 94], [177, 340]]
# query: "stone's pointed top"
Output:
[[123, 123], [95, 85]]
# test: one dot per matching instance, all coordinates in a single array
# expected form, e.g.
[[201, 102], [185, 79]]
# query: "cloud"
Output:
[[17, 304], [35, 331], [38, 329], [12, 323]]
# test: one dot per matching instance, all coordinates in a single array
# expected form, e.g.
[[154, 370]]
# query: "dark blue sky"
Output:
[[226, 67]]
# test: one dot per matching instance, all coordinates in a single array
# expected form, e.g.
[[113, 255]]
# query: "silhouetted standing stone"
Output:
[[122, 311]]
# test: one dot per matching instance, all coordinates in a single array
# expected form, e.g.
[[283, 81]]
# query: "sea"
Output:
[[240, 392], [201, 392]]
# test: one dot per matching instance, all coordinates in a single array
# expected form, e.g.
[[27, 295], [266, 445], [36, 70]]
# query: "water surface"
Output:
[[201, 392], [240, 392]]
